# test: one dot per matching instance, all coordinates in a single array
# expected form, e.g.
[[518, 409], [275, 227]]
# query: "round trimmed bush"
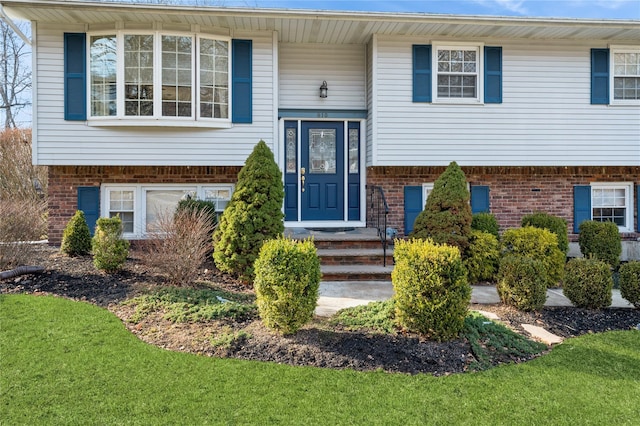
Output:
[[431, 290], [555, 224], [76, 238], [630, 282], [539, 244], [521, 283], [110, 251], [483, 256], [287, 281], [588, 283], [486, 222], [600, 240]]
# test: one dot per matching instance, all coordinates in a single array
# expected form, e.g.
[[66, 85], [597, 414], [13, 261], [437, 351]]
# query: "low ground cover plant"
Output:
[[76, 238], [203, 303], [538, 244], [432, 293], [521, 283], [109, 249], [588, 283], [630, 282], [287, 282], [600, 240]]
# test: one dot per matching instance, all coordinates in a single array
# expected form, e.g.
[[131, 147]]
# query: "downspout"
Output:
[[14, 27]]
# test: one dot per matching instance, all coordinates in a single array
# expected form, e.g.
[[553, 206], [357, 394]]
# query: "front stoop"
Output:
[[349, 256]]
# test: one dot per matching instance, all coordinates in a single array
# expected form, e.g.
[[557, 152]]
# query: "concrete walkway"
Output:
[[336, 295]]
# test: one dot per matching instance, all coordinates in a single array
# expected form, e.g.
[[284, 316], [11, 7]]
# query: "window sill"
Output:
[[158, 123]]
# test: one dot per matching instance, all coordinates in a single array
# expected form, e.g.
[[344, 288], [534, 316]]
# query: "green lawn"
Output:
[[63, 362]]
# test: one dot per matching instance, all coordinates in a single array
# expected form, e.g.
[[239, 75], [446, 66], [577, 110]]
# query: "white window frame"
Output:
[[158, 119], [612, 73], [479, 48], [427, 187], [628, 187], [140, 201]]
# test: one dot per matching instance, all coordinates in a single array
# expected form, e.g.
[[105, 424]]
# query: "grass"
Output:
[[64, 362]]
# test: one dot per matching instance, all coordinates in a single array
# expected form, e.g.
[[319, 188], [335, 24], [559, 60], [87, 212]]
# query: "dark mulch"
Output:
[[317, 344]]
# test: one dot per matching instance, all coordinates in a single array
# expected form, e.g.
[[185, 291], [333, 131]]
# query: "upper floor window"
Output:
[[156, 75], [458, 73], [626, 75]]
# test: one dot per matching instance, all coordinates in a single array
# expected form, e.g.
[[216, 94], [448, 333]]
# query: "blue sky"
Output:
[[597, 9]]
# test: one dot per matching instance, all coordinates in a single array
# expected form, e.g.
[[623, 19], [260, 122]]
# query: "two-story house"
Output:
[[136, 106]]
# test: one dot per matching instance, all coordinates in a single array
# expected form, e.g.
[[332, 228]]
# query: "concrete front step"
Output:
[[351, 256], [356, 272]]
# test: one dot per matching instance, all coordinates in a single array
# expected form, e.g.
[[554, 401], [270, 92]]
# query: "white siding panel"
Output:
[[63, 142], [370, 102], [303, 68], [545, 118]]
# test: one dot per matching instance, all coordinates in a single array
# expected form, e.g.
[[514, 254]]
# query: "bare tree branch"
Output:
[[15, 74]]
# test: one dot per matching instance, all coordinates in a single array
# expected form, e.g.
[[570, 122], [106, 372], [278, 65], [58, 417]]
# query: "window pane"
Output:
[[610, 204], [103, 66], [162, 202], [457, 73], [176, 76], [214, 79], [322, 151], [219, 196], [138, 84], [354, 141], [121, 204], [291, 143]]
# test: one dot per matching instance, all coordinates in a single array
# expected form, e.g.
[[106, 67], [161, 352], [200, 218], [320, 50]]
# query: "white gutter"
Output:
[[14, 27]]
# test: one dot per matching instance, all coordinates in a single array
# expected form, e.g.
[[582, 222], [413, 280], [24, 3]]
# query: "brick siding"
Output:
[[65, 180], [513, 191]]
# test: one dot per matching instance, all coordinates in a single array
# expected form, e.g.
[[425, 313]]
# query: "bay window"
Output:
[[181, 77]]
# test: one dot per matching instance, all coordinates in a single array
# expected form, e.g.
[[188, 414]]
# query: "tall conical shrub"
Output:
[[446, 218], [253, 215]]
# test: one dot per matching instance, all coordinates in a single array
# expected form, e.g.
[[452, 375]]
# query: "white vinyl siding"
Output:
[[303, 68], [61, 142], [545, 119]]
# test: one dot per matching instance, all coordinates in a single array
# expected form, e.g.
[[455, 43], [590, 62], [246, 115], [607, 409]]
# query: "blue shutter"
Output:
[[581, 206], [75, 82], [638, 209], [492, 75], [600, 76], [413, 205], [421, 73], [479, 199], [89, 203], [241, 86]]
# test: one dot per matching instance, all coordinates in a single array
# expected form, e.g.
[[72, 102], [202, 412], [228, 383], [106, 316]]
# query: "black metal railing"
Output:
[[377, 216]]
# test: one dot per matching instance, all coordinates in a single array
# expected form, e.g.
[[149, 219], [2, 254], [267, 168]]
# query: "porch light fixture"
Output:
[[323, 89]]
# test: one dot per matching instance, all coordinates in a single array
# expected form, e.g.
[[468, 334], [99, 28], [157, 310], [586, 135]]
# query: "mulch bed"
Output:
[[317, 344]]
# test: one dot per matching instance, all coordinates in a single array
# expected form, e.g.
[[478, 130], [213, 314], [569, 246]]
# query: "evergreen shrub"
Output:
[[486, 222], [253, 216], [483, 256], [521, 283], [555, 224], [110, 250], [600, 240], [630, 282], [431, 290], [446, 218], [540, 244], [76, 238], [287, 281], [195, 205], [588, 283]]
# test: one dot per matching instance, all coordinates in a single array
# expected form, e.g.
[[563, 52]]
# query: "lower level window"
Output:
[[612, 202], [140, 206]]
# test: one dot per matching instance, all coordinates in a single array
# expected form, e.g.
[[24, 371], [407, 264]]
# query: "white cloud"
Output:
[[512, 6]]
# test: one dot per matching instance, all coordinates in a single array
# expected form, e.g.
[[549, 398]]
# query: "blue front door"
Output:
[[322, 170]]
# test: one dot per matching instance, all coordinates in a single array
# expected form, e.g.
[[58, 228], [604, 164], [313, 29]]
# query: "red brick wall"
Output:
[[513, 191], [65, 180]]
